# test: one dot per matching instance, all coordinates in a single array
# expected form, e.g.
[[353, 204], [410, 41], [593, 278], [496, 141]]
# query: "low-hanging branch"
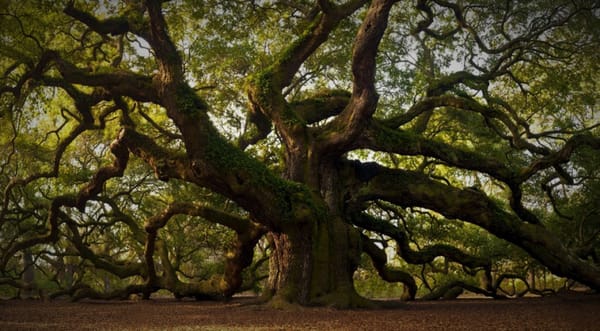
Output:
[[87, 192], [83, 103], [118, 268], [424, 255], [239, 224], [387, 273], [413, 189], [381, 138], [240, 257]]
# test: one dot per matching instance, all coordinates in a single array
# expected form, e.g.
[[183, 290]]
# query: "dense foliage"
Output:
[[300, 149]]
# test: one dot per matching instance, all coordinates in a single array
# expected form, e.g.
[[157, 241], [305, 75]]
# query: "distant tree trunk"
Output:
[[107, 287], [532, 278], [28, 275], [69, 274]]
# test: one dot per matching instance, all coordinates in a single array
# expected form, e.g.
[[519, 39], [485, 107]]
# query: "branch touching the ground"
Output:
[[424, 255], [387, 273], [240, 256], [413, 189], [89, 191]]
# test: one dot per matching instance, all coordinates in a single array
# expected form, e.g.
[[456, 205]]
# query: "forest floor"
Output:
[[562, 312]]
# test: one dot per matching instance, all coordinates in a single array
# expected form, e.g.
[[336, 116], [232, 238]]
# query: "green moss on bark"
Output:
[[293, 200], [188, 102]]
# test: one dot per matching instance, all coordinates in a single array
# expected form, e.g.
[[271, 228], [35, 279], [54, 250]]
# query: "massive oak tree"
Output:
[[319, 133]]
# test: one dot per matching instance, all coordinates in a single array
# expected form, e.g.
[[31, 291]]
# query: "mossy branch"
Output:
[[413, 189]]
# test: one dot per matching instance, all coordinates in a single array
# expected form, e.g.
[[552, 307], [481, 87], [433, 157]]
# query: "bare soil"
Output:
[[563, 312]]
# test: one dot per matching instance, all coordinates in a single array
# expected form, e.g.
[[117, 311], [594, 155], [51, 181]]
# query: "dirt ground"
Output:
[[573, 312]]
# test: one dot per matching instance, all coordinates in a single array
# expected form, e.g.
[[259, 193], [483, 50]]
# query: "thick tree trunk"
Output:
[[289, 268], [314, 264]]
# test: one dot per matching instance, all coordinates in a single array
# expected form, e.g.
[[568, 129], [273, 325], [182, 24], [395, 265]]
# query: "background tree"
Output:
[[160, 144]]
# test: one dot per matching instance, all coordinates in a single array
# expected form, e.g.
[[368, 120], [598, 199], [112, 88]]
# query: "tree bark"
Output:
[[289, 266], [314, 262], [315, 265]]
